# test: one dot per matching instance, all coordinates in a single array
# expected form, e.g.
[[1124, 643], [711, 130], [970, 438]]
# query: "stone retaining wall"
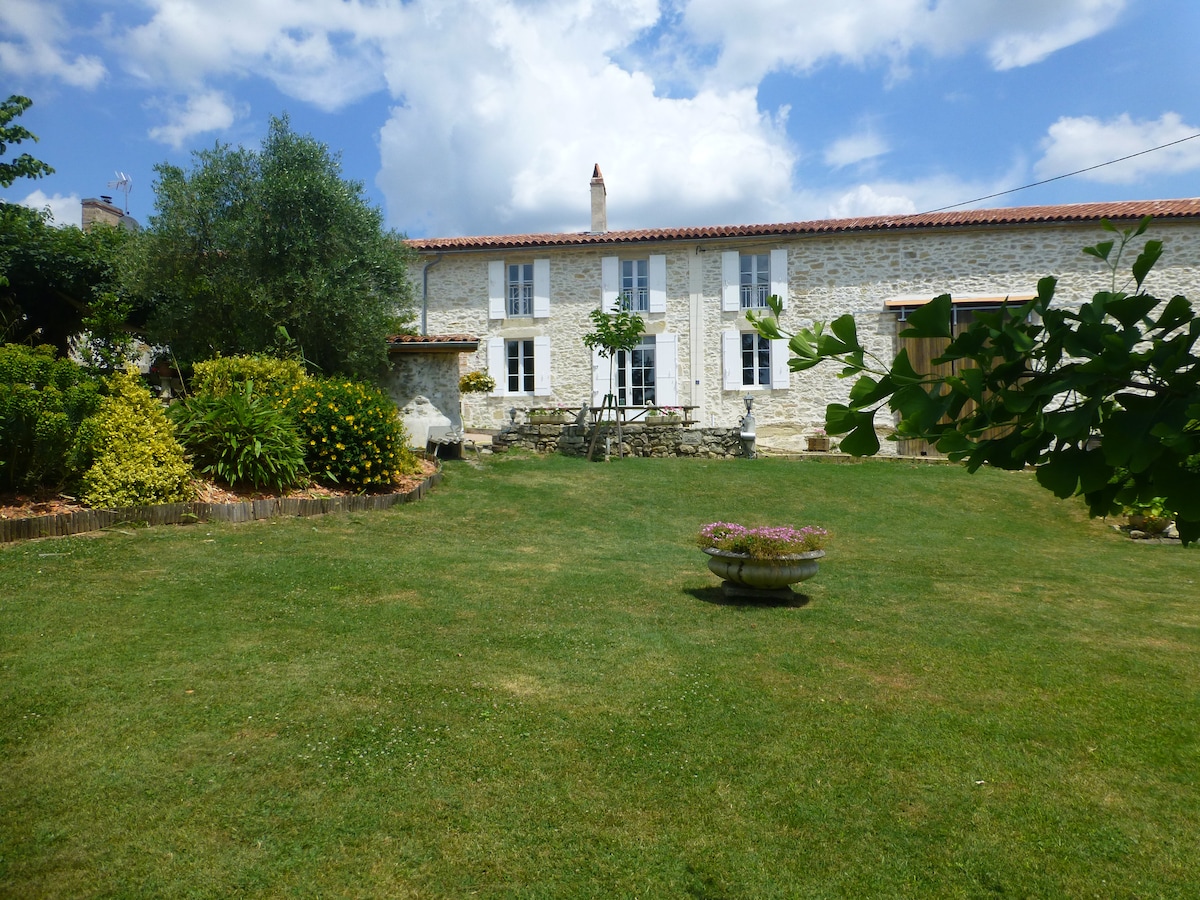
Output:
[[637, 440]]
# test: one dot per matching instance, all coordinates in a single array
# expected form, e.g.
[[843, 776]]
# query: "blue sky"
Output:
[[486, 116]]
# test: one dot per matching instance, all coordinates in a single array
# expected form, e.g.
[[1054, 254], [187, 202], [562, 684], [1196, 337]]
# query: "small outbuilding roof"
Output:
[[432, 343]]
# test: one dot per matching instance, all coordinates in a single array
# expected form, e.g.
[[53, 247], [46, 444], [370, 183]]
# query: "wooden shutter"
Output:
[[658, 285], [666, 369], [541, 289], [779, 275], [610, 283], [731, 360], [541, 366], [731, 281], [497, 304], [780, 371], [495, 364], [601, 370]]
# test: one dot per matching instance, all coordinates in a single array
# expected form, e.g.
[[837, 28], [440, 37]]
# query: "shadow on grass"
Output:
[[716, 596]]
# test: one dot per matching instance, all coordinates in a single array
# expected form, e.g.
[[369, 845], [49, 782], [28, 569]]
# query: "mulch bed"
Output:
[[27, 506]]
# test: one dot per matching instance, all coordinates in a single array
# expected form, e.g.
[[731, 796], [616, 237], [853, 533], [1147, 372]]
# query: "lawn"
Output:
[[528, 685]]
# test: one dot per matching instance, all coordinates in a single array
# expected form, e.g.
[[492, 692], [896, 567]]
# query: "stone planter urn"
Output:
[[761, 579]]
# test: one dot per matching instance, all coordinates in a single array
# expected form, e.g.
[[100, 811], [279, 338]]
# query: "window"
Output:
[[635, 375], [646, 375], [756, 360], [748, 279], [520, 289], [643, 280], [635, 283], [750, 361], [519, 365], [755, 280]]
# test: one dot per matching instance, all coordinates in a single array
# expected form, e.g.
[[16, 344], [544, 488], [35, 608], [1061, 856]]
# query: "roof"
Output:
[[1016, 215], [432, 343]]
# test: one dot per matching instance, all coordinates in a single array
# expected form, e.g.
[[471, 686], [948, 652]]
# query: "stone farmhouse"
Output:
[[517, 306]]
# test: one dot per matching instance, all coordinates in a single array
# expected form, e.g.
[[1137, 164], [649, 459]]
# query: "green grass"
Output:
[[528, 686]]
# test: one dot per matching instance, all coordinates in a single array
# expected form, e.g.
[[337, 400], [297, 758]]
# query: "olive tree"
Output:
[[265, 250]]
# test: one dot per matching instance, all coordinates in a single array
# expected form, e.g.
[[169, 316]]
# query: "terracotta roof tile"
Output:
[[1016, 215]]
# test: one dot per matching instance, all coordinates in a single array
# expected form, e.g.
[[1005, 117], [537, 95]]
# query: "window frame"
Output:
[[518, 290]]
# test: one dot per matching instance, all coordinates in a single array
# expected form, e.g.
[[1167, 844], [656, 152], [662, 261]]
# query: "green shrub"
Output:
[[352, 432], [43, 400], [271, 376], [241, 437], [135, 458]]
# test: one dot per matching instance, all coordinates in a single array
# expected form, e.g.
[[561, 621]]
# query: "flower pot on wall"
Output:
[[547, 418]]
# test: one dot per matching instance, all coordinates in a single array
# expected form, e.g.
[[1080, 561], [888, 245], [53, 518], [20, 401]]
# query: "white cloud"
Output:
[[866, 200], [208, 111], [510, 141], [63, 210], [1040, 28], [1072, 144], [854, 149], [755, 37], [320, 52], [501, 107], [34, 31]]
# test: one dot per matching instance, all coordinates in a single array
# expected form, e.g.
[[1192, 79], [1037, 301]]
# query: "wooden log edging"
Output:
[[85, 520]]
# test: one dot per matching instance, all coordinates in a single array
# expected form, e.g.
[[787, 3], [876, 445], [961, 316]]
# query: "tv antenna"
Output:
[[124, 184]]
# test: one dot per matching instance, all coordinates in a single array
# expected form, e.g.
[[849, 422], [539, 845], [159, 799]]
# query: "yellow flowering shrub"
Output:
[[352, 433]]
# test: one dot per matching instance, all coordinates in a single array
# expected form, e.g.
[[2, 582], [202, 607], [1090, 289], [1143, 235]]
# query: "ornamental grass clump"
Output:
[[761, 543], [242, 438]]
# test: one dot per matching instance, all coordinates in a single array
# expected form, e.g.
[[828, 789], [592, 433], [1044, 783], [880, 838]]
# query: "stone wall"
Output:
[[828, 275], [637, 440], [425, 388]]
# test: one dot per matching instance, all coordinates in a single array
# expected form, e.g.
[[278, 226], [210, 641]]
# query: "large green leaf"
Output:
[[1146, 260], [1128, 310], [1060, 473], [862, 440], [930, 320]]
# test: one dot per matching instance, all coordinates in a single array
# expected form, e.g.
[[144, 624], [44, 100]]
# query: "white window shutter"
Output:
[[731, 281], [601, 370], [610, 283], [731, 360], [541, 288], [495, 364], [779, 275], [496, 291], [666, 365], [780, 371], [658, 284], [541, 366]]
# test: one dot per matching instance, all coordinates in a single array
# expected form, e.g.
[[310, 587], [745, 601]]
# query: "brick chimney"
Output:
[[599, 204], [101, 210]]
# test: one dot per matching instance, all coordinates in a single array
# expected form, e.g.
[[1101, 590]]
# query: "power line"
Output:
[[1058, 177]]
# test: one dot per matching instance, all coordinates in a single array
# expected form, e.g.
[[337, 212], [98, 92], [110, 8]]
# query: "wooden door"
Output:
[[921, 352]]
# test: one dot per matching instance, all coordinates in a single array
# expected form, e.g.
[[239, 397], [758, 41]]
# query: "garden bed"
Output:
[[24, 517]]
